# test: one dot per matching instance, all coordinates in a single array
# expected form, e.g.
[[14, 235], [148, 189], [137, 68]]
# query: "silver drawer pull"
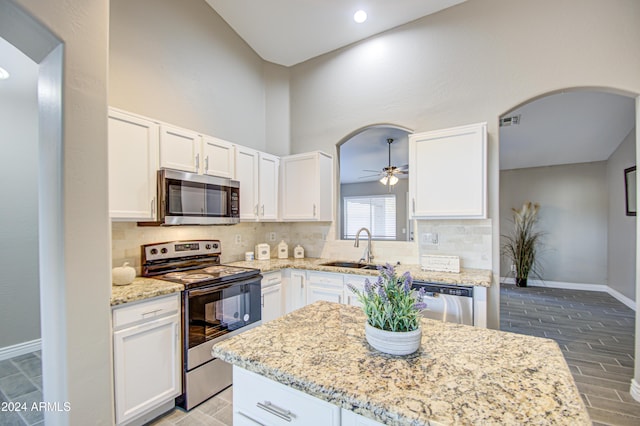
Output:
[[250, 418], [155, 312], [275, 410]]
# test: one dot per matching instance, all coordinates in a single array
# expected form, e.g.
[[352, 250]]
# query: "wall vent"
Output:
[[510, 121]]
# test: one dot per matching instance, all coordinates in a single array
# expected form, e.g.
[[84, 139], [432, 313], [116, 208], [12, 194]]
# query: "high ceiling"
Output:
[[288, 32], [565, 128]]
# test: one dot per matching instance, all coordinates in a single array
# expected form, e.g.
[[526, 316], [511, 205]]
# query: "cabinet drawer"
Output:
[[327, 279], [263, 401], [271, 278], [146, 310]]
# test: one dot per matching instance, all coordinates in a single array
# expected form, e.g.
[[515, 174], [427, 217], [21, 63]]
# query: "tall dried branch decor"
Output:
[[522, 245]]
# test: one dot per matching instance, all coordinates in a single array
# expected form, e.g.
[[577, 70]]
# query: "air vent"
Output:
[[510, 121]]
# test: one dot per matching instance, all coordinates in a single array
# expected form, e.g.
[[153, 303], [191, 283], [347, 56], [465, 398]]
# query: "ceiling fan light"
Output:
[[384, 180], [393, 180]]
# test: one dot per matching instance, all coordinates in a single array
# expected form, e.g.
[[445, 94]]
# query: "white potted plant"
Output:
[[394, 312]]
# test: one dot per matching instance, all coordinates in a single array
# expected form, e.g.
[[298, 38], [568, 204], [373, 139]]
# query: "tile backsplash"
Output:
[[471, 240], [468, 239], [128, 237]]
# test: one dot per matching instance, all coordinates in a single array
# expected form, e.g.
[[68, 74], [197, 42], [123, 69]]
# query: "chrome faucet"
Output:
[[368, 255]]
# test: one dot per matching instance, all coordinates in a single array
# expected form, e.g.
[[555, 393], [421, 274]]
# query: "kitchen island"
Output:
[[460, 375]]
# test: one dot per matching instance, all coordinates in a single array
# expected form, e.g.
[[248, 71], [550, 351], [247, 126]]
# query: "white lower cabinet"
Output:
[[324, 286], [272, 296], [261, 401], [296, 289], [146, 358], [358, 282]]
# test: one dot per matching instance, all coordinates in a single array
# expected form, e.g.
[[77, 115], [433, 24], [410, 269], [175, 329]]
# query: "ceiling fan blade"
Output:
[[369, 176], [372, 171], [403, 167]]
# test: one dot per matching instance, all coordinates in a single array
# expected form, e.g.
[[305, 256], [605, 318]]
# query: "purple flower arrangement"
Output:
[[390, 303]]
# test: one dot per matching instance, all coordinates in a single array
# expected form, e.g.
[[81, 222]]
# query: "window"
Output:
[[375, 212]]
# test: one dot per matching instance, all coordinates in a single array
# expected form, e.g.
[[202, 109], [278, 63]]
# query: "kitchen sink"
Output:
[[352, 265]]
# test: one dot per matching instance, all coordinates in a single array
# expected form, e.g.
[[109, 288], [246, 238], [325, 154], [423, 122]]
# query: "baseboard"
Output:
[[20, 349], [577, 286]]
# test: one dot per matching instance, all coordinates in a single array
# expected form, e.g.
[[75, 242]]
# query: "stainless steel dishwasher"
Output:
[[449, 303]]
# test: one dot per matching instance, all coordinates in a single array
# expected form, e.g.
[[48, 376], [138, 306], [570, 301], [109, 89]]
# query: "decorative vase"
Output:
[[521, 282], [393, 342]]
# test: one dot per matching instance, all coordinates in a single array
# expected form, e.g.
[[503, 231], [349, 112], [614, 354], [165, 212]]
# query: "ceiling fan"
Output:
[[388, 175]]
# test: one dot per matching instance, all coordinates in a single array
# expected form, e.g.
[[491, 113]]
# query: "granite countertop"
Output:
[[461, 374], [142, 288], [472, 277]]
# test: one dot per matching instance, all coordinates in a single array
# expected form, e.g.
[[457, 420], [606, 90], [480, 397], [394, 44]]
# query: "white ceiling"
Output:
[[369, 150], [565, 128], [288, 32]]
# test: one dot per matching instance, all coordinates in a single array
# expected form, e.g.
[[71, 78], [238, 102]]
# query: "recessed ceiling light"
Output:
[[4, 74], [360, 16]]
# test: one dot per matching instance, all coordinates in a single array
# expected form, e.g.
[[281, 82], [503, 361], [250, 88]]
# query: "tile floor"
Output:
[[596, 335], [217, 411], [21, 382]]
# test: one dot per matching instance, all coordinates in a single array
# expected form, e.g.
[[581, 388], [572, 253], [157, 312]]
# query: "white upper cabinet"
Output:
[[179, 149], [268, 172], [307, 187], [218, 157], [258, 175], [247, 173], [133, 164], [448, 173]]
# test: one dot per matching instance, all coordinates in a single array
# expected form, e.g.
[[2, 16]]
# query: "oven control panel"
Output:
[[180, 249]]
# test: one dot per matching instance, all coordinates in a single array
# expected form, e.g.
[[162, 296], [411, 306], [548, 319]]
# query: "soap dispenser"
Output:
[[283, 250]]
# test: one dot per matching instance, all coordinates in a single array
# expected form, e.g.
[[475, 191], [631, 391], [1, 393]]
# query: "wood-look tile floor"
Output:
[[216, 411], [596, 335]]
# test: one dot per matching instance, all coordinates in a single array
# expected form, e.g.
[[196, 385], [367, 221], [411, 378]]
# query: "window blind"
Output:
[[375, 212]]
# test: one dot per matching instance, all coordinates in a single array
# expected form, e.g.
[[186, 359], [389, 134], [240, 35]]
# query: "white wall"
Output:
[[573, 217], [467, 64], [77, 338], [179, 62], [19, 285], [622, 228]]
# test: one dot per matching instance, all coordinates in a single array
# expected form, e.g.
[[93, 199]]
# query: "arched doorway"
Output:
[[574, 167]]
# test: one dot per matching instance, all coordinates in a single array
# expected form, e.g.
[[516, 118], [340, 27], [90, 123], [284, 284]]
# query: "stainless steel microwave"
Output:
[[191, 199]]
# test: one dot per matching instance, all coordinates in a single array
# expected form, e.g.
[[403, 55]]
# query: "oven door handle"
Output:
[[195, 292]]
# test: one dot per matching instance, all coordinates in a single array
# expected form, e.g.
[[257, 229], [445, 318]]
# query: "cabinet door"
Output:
[[358, 282], [147, 369], [268, 186], [448, 173], [316, 293], [296, 292], [307, 187], [133, 163], [247, 174], [299, 187], [218, 157], [324, 286], [179, 149], [271, 303]]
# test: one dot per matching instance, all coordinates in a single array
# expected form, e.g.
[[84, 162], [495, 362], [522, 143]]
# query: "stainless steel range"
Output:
[[219, 301]]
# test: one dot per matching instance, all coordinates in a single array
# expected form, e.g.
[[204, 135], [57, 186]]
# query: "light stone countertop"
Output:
[[142, 288], [470, 277], [461, 374]]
